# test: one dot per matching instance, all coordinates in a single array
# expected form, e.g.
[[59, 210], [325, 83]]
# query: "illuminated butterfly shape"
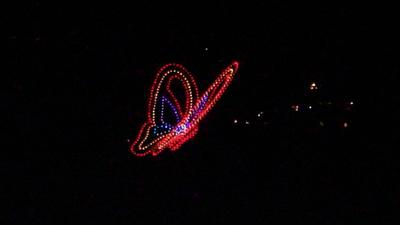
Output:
[[161, 132]]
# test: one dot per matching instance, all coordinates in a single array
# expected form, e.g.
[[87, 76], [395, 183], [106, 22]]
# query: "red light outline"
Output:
[[191, 114]]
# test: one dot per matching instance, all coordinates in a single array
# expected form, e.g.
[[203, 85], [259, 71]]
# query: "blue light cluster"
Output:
[[163, 100], [201, 106], [165, 127], [181, 128], [162, 129]]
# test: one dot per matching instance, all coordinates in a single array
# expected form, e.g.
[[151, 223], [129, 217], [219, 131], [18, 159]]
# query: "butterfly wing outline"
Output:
[[156, 134]]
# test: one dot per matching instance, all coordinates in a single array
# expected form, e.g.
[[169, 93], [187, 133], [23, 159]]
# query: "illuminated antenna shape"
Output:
[[157, 133]]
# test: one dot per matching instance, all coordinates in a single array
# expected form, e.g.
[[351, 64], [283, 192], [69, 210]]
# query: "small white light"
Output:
[[351, 103], [206, 49], [235, 121], [247, 122], [310, 107], [313, 86]]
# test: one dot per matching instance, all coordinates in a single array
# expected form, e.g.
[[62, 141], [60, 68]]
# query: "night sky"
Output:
[[274, 150]]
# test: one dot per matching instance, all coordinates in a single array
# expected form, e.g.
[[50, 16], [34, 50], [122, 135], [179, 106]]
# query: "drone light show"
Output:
[[171, 121]]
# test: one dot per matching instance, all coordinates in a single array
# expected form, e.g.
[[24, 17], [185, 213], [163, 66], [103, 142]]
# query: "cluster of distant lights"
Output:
[[313, 86], [296, 108], [159, 132], [259, 115], [247, 122]]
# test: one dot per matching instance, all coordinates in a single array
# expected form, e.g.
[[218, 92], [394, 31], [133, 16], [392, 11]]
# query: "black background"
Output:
[[77, 77]]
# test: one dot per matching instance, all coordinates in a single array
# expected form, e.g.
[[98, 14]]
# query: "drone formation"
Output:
[[160, 132]]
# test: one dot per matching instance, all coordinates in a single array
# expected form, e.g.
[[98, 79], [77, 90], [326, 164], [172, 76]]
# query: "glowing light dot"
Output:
[[235, 121], [247, 122]]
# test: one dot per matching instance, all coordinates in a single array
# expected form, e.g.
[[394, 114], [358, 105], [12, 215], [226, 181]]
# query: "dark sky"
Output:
[[78, 75]]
